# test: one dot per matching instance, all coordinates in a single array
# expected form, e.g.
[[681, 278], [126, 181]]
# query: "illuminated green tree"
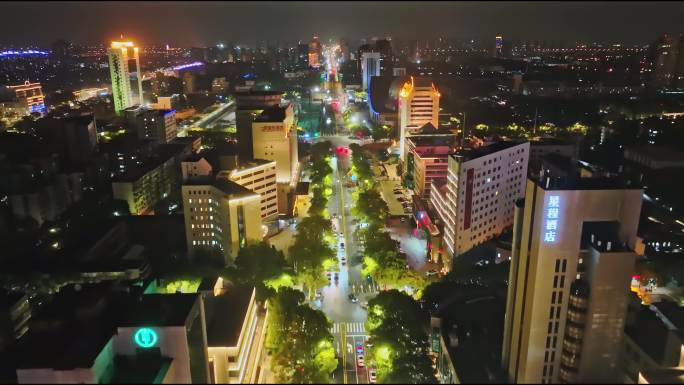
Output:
[[311, 251], [300, 340], [261, 266], [398, 331]]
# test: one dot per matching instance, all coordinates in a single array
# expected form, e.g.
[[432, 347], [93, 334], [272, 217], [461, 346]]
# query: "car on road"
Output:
[[359, 348], [318, 294], [401, 199], [333, 215], [353, 298], [372, 376], [342, 245], [364, 305], [343, 259], [359, 361], [431, 273], [337, 277]]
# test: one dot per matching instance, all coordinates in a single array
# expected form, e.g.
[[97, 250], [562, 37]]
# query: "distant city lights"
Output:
[[22, 53], [184, 66]]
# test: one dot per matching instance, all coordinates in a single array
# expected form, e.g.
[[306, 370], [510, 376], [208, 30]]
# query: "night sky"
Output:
[[205, 23]]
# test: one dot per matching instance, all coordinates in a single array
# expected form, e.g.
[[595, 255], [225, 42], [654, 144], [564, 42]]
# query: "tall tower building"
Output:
[[664, 61], [120, 54], [498, 47], [315, 53], [370, 66], [418, 105], [571, 265]]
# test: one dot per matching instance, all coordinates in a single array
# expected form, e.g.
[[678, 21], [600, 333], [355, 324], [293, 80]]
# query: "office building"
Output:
[[189, 83], [29, 97], [220, 215], [478, 200], [569, 280], [315, 53], [274, 137], [143, 187], [120, 54], [498, 47], [302, 56], [157, 125], [418, 105], [663, 59], [399, 71], [195, 167], [370, 66], [249, 104], [259, 176], [386, 62], [427, 159], [74, 138]]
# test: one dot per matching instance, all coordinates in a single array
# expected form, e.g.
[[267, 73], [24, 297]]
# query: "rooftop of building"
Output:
[[163, 152], [467, 154], [225, 185], [225, 315], [674, 315], [275, 114], [252, 163], [140, 369], [599, 234], [549, 141], [658, 153], [160, 310]]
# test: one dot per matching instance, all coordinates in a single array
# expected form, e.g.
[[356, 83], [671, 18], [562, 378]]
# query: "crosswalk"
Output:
[[350, 328], [364, 288]]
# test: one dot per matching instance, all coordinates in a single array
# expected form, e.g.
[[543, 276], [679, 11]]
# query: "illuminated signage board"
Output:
[[551, 219], [145, 337]]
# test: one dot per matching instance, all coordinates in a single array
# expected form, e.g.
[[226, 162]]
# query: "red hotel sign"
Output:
[[468, 199]]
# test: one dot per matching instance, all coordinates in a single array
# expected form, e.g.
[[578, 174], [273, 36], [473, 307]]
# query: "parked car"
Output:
[[353, 298], [359, 348], [431, 273], [372, 376], [359, 361]]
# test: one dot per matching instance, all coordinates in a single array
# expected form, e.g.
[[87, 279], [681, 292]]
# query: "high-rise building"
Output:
[[249, 105], [569, 280], [73, 137], [302, 56], [482, 186], [418, 105], [188, 82], [315, 53], [427, 159], [663, 58], [274, 137], [220, 215], [258, 175], [120, 54], [370, 66], [498, 47], [384, 47]]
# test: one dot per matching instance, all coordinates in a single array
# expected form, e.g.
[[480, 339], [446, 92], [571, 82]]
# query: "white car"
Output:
[[372, 376], [359, 361]]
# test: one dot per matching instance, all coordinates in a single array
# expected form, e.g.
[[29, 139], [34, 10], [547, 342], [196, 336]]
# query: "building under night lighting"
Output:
[[120, 53]]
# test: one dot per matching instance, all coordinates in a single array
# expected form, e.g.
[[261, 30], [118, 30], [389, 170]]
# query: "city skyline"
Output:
[[207, 23]]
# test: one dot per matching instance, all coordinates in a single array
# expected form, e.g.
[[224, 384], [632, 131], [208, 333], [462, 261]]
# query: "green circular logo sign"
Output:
[[145, 337]]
